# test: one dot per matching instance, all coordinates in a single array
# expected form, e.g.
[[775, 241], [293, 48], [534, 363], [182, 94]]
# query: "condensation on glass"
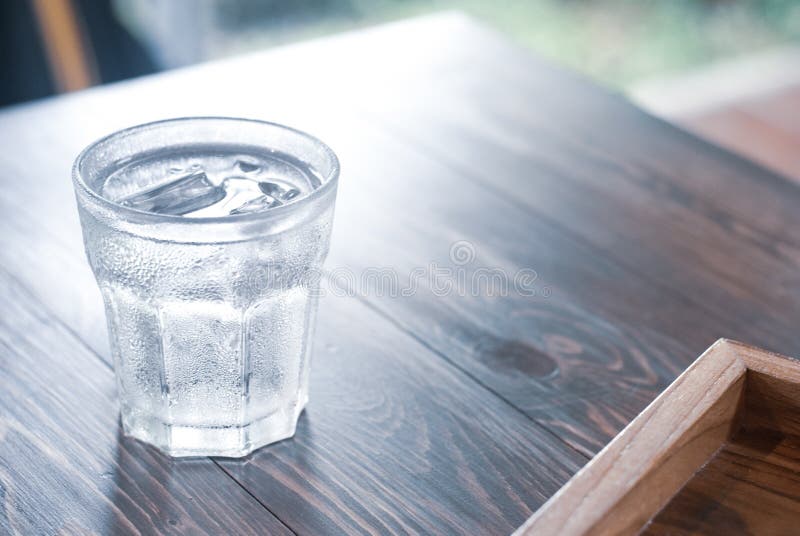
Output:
[[206, 237]]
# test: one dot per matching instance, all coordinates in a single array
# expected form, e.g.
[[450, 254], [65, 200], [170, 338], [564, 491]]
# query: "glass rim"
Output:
[[329, 180]]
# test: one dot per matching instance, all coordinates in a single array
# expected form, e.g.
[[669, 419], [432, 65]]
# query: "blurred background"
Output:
[[695, 62]]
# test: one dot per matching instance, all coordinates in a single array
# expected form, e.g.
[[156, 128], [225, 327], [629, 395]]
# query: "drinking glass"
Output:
[[210, 318]]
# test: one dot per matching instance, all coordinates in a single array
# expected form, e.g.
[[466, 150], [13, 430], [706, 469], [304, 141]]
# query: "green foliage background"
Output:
[[614, 41]]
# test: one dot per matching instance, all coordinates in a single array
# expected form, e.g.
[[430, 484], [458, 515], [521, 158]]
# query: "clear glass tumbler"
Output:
[[210, 317]]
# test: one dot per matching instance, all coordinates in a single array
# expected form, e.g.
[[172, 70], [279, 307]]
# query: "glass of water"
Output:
[[206, 237]]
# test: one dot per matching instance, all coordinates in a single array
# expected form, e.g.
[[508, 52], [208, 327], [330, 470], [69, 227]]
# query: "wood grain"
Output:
[[662, 208], [716, 453], [455, 413], [398, 441], [603, 299], [64, 467], [586, 401], [772, 392], [397, 431], [395, 439], [751, 486], [628, 206], [648, 462]]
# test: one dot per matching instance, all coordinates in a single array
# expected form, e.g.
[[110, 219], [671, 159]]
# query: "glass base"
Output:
[[228, 441]]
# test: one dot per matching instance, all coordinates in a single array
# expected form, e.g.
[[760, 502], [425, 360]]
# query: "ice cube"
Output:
[[177, 196], [277, 191], [237, 184], [238, 190], [254, 205]]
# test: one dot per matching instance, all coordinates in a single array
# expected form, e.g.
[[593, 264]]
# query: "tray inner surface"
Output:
[[751, 485]]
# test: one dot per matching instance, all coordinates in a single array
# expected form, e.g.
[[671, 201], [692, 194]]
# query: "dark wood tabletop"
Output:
[[628, 246]]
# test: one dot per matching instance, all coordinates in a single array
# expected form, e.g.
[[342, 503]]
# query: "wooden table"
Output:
[[436, 412]]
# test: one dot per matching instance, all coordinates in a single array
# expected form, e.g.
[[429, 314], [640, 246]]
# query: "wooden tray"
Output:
[[718, 452]]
